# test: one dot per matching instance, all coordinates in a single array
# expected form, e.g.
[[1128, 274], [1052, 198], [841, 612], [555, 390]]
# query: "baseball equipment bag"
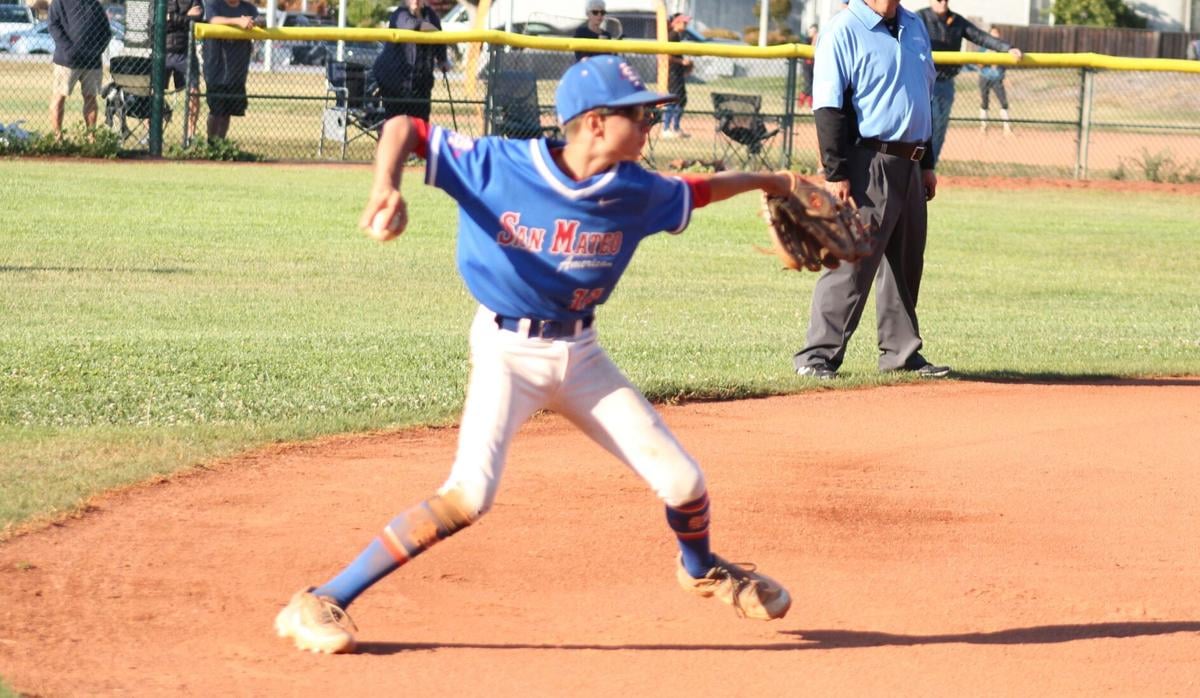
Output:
[[811, 229]]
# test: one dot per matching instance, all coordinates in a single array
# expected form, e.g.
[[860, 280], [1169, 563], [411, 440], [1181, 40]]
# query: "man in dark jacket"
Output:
[[597, 26], [182, 65], [81, 34], [404, 72], [946, 31]]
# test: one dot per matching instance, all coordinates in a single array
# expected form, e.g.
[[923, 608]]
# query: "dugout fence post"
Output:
[[789, 113], [158, 77], [187, 83], [1087, 87]]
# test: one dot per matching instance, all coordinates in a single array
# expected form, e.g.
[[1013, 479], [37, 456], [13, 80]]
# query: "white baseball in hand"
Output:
[[382, 227]]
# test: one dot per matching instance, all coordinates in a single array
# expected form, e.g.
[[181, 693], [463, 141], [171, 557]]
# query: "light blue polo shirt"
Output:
[[891, 79]]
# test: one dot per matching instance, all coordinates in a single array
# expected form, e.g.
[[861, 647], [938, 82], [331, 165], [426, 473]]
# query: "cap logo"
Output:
[[631, 75]]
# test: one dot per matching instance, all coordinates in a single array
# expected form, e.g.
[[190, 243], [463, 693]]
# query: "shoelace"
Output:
[[738, 573], [331, 612]]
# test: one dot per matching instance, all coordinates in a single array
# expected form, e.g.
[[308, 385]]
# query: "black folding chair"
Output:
[[652, 136], [513, 108], [128, 98], [741, 129], [353, 106]]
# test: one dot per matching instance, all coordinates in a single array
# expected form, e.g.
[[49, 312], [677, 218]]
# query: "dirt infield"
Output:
[[959, 538]]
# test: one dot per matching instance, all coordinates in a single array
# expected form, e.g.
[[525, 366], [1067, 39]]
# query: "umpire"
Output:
[[872, 78], [946, 32]]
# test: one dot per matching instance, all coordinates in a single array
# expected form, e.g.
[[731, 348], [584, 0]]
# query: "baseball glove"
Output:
[[811, 229]]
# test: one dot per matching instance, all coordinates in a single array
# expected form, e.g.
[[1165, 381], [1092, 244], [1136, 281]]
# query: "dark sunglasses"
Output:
[[599, 13], [638, 113]]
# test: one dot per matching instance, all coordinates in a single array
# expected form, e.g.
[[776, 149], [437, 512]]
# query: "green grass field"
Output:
[[156, 316], [284, 119]]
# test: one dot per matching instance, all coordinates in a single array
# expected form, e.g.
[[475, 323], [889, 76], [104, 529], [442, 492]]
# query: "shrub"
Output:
[[1158, 167], [774, 36], [1096, 13], [216, 149], [81, 142]]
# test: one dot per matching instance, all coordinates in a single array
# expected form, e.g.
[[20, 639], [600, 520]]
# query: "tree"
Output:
[[1096, 13], [780, 11]]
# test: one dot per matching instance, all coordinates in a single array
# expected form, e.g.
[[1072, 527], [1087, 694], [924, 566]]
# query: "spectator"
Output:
[[991, 79], [595, 27], [874, 77], [226, 64], [404, 72], [1193, 50], [806, 65], [182, 66], [81, 33], [677, 72], [946, 31]]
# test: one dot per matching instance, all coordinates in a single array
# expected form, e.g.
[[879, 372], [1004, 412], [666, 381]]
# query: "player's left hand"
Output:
[[1015, 53], [385, 216], [929, 179]]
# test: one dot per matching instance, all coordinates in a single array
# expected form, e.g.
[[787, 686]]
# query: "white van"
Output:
[[564, 15]]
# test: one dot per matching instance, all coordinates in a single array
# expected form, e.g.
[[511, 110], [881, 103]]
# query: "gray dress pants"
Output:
[[890, 193]]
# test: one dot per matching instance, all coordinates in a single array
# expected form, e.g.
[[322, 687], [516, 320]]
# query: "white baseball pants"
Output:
[[513, 376]]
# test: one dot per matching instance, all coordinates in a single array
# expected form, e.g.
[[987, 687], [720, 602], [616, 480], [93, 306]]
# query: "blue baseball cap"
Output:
[[602, 81]]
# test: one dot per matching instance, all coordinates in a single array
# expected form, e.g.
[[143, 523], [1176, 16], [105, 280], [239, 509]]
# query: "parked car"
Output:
[[321, 52], [643, 25], [37, 40], [301, 49], [14, 18], [459, 20]]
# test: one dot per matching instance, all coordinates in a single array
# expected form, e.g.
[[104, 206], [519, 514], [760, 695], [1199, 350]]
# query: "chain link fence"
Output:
[[314, 99]]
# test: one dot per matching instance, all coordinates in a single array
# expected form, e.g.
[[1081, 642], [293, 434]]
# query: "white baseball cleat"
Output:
[[751, 594], [316, 623]]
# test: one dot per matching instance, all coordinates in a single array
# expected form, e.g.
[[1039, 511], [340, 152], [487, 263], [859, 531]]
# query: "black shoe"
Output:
[[932, 371], [821, 371]]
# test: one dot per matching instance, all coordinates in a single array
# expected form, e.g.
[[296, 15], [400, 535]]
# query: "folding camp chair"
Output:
[[353, 108], [741, 129], [128, 98], [652, 135], [513, 108]]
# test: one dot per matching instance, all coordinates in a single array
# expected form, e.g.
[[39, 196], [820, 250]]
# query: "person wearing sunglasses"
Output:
[[546, 229], [598, 26]]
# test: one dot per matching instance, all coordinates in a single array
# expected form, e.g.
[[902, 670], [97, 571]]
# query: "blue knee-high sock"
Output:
[[690, 523], [407, 536]]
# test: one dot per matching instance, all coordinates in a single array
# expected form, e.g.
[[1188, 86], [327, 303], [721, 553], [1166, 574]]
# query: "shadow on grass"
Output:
[[1072, 379], [836, 639], [92, 270]]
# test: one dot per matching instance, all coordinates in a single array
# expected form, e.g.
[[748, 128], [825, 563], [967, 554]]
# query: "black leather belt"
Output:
[[544, 329], [908, 151]]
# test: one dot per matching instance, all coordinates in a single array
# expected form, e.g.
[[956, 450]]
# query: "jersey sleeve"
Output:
[[670, 203], [455, 163]]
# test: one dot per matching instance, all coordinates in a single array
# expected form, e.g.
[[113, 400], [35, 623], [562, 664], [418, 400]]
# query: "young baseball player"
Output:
[[545, 231]]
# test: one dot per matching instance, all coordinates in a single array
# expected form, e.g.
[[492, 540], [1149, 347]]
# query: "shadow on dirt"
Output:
[[838, 639], [1072, 379], [1037, 635]]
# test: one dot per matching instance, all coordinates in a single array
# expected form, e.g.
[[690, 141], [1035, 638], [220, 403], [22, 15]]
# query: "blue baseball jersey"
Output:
[[534, 243]]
